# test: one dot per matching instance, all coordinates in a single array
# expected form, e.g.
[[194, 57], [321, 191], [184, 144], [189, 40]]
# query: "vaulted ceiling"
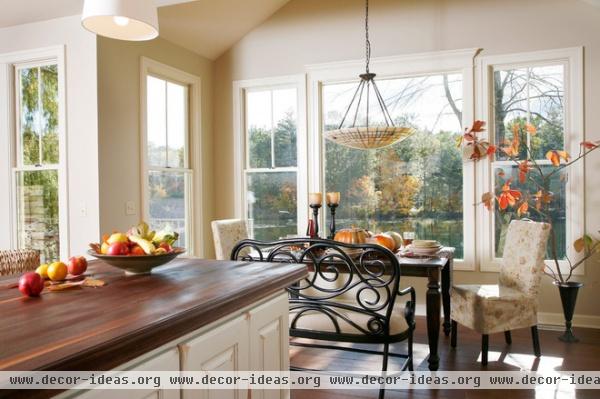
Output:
[[207, 27]]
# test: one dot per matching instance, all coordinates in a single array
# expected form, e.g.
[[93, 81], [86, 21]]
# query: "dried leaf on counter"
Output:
[[90, 282], [65, 286]]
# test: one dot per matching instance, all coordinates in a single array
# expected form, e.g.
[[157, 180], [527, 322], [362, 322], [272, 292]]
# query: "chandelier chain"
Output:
[[367, 41]]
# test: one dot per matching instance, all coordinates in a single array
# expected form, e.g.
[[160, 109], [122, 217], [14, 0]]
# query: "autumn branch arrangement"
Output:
[[538, 199]]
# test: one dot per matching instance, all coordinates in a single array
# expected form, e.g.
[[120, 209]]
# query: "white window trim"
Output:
[[194, 141], [459, 61], [8, 106], [572, 58], [239, 146]]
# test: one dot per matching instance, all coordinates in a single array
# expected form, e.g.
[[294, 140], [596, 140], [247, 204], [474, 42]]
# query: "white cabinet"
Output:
[[251, 339], [168, 360], [269, 342], [224, 348]]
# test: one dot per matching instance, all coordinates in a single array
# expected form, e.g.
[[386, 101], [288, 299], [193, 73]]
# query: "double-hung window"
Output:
[[168, 177], [271, 139], [37, 174], [542, 89]]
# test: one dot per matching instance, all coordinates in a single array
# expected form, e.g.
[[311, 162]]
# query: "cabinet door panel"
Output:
[[269, 342], [223, 349], [167, 361]]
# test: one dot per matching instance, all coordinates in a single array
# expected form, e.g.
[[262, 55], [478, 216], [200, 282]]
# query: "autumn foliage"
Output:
[[516, 150]]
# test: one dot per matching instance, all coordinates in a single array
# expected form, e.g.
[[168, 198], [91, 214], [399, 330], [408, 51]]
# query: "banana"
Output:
[[146, 245]]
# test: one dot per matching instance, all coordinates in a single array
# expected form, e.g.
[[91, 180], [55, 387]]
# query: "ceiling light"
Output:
[[366, 136], [134, 20]]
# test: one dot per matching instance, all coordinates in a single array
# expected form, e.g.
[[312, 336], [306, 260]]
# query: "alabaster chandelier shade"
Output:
[[134, 20], [365, 136]]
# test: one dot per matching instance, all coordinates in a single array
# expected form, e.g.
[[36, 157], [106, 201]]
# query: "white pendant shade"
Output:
[[134, 20]]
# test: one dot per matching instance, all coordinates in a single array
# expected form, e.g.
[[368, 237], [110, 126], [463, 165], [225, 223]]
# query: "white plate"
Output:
[[424, 251], [425, 244]]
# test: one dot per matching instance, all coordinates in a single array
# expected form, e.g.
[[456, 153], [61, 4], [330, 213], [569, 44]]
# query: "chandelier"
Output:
[[367, 137]]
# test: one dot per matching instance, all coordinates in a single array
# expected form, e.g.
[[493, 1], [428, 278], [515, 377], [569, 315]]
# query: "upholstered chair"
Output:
[[227, 233], [18, 261], [513, 302]]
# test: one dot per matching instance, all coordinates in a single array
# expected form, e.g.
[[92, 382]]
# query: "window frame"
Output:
[[10, 140], [241, 159], [453, 61], [193, 146], [572, 59]]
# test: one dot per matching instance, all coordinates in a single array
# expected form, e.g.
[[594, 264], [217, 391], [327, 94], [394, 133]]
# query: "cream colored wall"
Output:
[[82, 121], [119, 127], [316, 31]]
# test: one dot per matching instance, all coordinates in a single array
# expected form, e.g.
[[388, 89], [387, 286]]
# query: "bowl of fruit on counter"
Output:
[[139, 250]]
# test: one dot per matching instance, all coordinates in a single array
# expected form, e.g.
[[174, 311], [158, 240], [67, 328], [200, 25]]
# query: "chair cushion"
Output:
[[489, 309], [318, 321]]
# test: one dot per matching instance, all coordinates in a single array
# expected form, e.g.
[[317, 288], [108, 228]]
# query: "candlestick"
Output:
[[332, 207], [315, 209], [315, 198], [333, 198]]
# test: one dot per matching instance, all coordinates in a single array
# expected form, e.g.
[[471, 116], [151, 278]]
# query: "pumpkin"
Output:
[[397, 238], [385, 241], [351, 236]]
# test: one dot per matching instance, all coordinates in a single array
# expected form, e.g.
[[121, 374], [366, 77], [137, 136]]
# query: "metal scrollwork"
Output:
[[351, 286]]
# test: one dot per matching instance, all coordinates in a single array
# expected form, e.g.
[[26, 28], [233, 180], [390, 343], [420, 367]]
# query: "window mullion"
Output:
[[39, 115], [272, 132], [166, 124]]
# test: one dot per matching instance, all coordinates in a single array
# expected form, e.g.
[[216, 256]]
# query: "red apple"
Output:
[[77, 265], [165, 246], [31, 284], [118, 248], [137, 251]]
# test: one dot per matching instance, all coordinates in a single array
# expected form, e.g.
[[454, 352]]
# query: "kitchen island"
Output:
[[194, 311]]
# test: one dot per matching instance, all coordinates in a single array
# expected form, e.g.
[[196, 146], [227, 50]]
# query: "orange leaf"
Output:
[[491, 150], [90, 282], [555, 156], [487, 200], [579, 244], [524, 168], [523, 208], [530, 128], [477, 127], [508, 196]]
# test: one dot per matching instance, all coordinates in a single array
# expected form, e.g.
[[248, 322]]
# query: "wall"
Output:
[[119, 127], [82, 120], [313, 31]]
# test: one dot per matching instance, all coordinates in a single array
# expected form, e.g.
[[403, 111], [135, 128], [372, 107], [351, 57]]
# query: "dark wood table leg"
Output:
[[446, 286], [433, 299]]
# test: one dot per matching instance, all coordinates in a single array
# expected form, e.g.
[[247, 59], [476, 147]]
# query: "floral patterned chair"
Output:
[[513, 302], [227, 233]]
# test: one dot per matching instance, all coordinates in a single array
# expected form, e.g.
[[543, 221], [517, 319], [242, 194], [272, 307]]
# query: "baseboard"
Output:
[[547, 318]]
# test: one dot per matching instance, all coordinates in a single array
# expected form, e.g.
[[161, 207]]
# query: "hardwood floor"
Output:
[[556, 355]]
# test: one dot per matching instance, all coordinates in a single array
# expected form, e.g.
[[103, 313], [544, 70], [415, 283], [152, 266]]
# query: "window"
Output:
[[271, 170], [37, 164], [415, 185], [542, 89], [168, 175]]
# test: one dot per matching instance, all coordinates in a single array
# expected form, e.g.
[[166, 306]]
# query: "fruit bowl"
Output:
[[138, 264]]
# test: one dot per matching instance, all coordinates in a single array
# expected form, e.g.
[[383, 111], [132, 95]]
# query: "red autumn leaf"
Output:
[[524, 168], [531, 129], [555, 156], [589, 145], [523, 208], [491, 150], [487, 199], [508, 196]]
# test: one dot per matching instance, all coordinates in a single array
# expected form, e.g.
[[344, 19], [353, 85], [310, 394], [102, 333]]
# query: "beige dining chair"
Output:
[[18, 261], [227, 233], [513, 302]]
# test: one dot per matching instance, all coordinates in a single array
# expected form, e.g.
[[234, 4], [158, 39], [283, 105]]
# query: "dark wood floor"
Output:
[[556, 355]]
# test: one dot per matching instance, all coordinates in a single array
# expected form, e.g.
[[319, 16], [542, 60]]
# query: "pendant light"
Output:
[[134, 20], [367, 137]]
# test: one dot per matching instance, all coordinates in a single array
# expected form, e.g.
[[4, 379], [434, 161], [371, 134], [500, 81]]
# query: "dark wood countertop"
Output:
[[102, 328]]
